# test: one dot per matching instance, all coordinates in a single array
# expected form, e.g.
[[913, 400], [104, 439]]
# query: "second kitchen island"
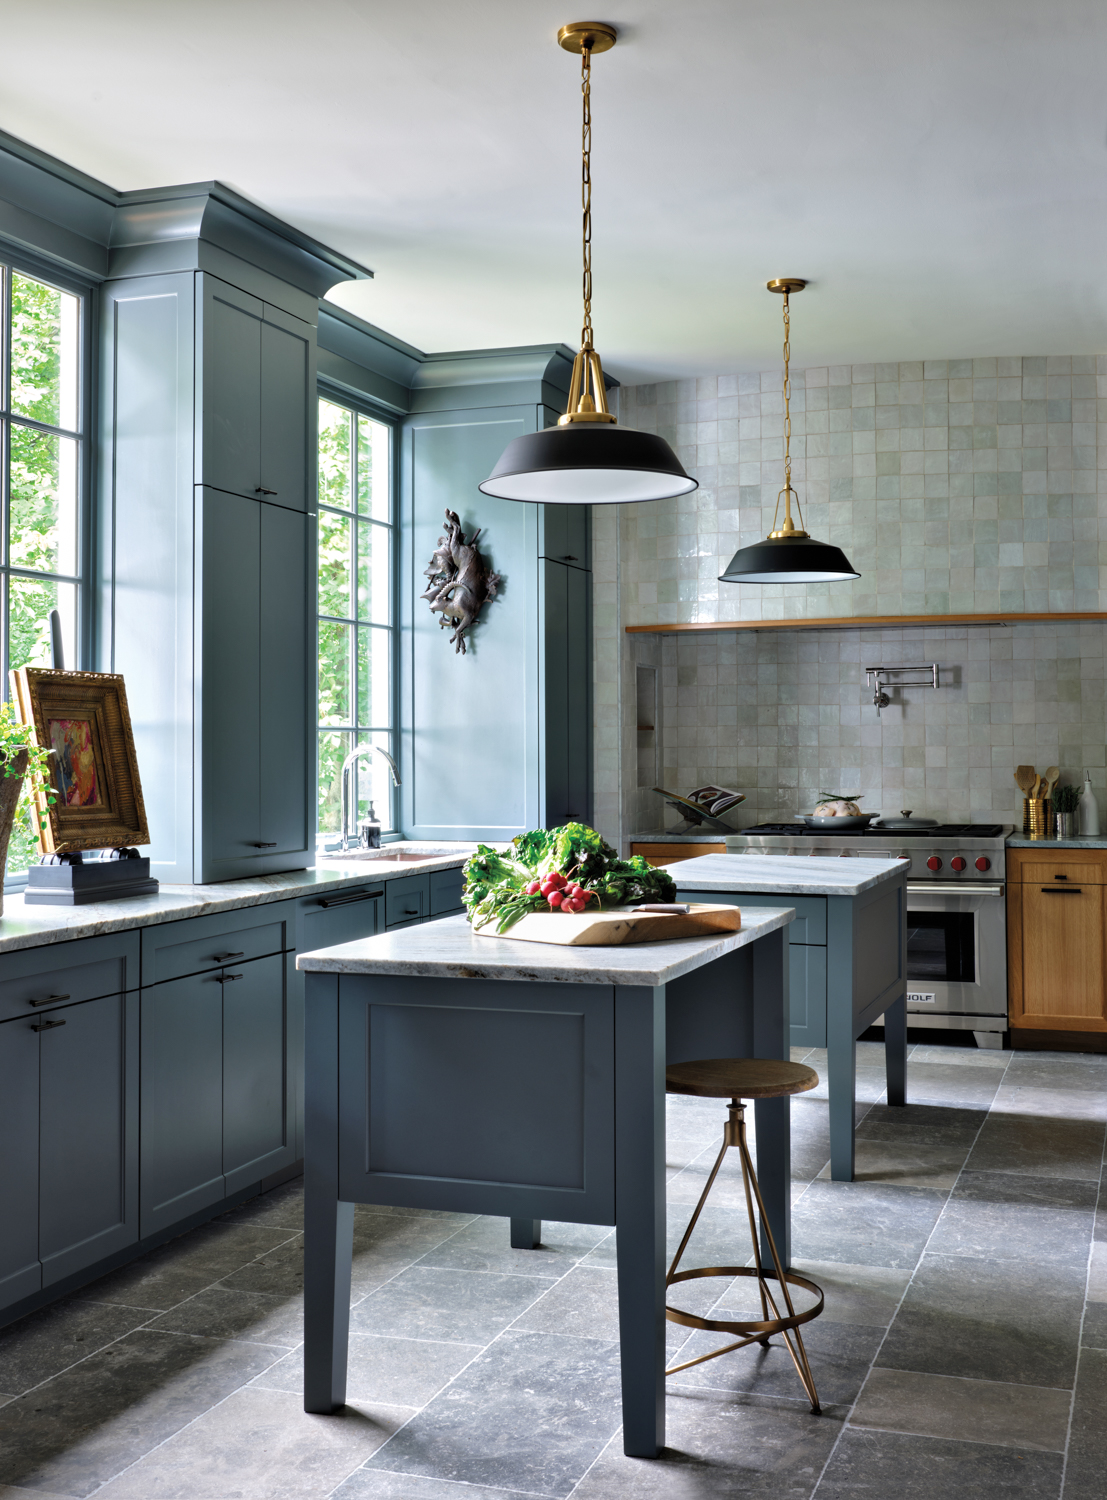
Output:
[[847, 954]]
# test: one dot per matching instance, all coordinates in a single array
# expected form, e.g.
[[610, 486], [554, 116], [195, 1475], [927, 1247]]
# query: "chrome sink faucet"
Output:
[[356, 754]]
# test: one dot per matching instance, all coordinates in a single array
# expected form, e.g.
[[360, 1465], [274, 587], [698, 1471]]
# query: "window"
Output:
[[356, 634], [41, 405]]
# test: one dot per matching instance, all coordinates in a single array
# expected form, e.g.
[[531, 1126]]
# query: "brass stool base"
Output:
[[750, 1332]]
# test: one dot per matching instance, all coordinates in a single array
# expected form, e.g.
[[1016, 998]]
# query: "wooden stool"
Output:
[[738, 1078]]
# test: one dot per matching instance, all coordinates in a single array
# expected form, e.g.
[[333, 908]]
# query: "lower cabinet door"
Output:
[[182, 1099], [88, 1133], [807, 995], [259, 1134], [20, 1271]]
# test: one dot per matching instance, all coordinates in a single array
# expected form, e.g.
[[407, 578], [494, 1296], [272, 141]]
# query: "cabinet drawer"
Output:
[[1061, 869], [174, 949], [445, 891], [808, 926], [81, 970], [340, 917], [406, 899]]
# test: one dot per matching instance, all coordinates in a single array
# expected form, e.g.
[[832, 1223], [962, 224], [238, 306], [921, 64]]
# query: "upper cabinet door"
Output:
[[287, 411], [567, 534], [230, 390], [283, 730]]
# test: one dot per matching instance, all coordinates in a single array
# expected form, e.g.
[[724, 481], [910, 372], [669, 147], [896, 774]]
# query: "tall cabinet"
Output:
[[206, 551]]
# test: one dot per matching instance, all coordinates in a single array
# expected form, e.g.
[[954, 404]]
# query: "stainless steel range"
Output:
[[956, 916]]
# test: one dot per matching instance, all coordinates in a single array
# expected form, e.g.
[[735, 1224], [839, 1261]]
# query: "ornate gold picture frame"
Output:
[[82, 717]]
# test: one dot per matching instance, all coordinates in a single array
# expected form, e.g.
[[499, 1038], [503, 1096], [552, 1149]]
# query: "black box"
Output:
[[71, 880]]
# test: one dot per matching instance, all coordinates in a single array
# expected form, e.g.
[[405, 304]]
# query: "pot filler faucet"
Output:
[[355, 755]]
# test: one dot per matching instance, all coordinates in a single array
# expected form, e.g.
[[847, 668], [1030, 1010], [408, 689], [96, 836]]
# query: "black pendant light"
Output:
[[587, 459], [788, 555]]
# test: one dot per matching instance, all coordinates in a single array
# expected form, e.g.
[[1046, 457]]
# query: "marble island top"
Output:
[[32, 925], [786, 875], [449, 949]]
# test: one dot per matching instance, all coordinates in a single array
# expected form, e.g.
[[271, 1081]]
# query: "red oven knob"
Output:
[[957, 863], [983, 864], [934, 863]]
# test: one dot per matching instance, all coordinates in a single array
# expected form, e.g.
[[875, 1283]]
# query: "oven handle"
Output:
[[949, 888]]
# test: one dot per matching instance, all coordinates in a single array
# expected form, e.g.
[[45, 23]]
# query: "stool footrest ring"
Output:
[[757, 1330]]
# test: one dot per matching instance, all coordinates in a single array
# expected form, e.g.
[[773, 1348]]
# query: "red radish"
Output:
[[534, 887], [572, 905], [554, 898], [546, 886]]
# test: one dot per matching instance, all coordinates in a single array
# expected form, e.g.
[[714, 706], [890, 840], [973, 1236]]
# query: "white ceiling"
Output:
[[938, 168]]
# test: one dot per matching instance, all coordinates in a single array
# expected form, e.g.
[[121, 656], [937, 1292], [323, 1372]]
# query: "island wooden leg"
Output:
[[526, 1234], [328, 1253], [640, 1214], [841, 1072], [895, 1050], [771, 1026]]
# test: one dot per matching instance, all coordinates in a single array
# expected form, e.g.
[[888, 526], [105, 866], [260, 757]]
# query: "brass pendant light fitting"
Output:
[[587, 458], [788, 554]]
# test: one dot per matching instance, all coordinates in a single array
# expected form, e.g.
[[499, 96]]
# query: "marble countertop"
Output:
[[1016, 841], [785, 875], [33, 925], [449, 949], [669, 837]]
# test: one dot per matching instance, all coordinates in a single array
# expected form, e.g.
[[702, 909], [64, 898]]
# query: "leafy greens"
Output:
[[496, 880]]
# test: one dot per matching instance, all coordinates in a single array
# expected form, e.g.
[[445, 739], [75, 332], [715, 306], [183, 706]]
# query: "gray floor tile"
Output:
[[1087, 1458], [908, 1155], [930, 1116], [888, 1464], [218, 1312], [465, 1307], [396, 1371], [184, 1267], [17, 1492], [283, 1208], [864, 1224], [259, 1445], [81, 1428], [1094, 1334], [484, 1245], [839, 1356], [867, 1295], [41, 1345], [545, 1406], [1097, 1273], [965, 1057], [1040, 1146], [1036, 1219], [719, 1447], [1058, 1070], [378, 1484], [584, 1304], [980, 1411], [1051, 1103], [989, 1319]]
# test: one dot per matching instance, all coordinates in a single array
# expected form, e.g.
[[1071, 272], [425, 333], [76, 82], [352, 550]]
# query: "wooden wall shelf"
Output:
[[866, 622]]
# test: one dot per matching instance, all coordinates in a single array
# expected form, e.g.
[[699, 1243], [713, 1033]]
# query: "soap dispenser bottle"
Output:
[[1088, 809], [369, 831]]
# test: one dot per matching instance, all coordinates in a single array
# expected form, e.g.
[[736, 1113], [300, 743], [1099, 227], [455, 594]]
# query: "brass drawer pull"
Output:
[[49, 1000], [46, 1025]]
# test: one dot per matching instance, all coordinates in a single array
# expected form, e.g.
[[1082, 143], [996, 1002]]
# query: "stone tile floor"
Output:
[[963, 1350]]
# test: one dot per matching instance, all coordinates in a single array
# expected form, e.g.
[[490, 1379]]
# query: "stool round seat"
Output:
[[739, 1078]]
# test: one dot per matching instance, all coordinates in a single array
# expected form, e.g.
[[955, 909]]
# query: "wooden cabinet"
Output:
[[255, 432], [253, 713], [669, 854], [1057, 939]]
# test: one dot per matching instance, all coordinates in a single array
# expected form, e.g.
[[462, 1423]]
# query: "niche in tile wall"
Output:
[[647, 707]]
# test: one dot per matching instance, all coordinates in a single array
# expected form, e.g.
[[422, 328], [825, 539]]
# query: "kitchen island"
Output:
[[847, 959], [525, 1080]]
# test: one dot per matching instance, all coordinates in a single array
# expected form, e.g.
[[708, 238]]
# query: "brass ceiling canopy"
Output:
[[788, 555], [587, 459]]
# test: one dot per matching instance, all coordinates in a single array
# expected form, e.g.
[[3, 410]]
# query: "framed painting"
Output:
[[82, 719]]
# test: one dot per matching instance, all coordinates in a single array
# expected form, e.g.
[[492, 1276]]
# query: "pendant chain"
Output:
[[586, 190], [787, 401]]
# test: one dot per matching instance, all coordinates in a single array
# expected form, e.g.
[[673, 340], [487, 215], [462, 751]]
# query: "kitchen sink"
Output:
[[400, 857]]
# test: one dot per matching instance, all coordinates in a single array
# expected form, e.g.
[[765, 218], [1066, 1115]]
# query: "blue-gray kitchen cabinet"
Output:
[[566, 605], [255, 431], [566, 533], [254, 721], [806, 962], [68, 1109]]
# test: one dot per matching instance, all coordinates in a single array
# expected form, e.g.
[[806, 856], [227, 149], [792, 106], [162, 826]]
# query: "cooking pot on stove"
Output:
[[839, 824], [906, 822]]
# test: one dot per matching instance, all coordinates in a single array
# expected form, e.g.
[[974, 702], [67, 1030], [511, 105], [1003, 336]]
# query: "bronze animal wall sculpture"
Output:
[[460, 581]]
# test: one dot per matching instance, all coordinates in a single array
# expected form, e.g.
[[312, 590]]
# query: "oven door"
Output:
[[956, 950]]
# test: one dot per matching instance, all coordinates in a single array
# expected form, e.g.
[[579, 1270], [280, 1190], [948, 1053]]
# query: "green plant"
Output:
[[15, 737], [506, 885], [1065, 798]]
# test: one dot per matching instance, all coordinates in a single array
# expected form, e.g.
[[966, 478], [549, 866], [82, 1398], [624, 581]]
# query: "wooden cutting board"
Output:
[[618, 925]]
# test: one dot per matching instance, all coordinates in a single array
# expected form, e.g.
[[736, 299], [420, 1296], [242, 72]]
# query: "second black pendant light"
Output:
[[788, 555]]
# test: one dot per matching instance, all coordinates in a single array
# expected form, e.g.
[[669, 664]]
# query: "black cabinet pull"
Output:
[[225, 978], [49, 1000], [569, 558], [227, 958], [351, 897], [1061, 890], [273, 845], [259, 489], [414, 913], [46, 1025]]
